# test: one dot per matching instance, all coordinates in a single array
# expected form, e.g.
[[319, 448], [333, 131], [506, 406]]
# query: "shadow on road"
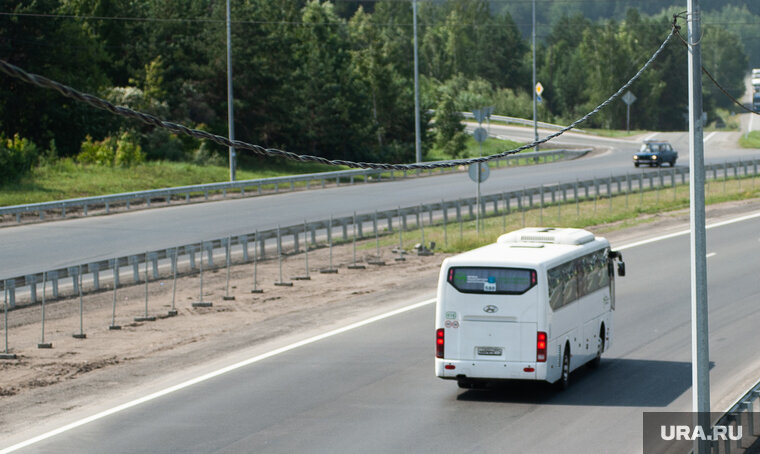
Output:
[[616, 383]]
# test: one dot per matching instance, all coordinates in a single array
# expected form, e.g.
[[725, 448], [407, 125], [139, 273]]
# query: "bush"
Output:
[[98, 153], [123, 152], [128, 151], [17, 157]]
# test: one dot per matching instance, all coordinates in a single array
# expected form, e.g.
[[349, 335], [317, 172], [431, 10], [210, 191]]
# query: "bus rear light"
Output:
[[439, 343], [450, 367], [541, 347]]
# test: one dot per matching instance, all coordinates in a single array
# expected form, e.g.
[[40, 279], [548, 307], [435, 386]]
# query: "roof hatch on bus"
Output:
[[549, 235]]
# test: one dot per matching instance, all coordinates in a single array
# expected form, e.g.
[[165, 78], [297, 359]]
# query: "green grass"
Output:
[[613, 132], [65, 179], [751, 140], [604, 214], [490, 147]]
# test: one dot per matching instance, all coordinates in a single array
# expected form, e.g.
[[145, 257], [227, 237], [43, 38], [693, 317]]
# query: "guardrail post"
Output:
[[344, 226], [133, 260], [191, 252], [359, 227], [262, 246], [296, 240], [153, 256], [53, 276], [94, 269], [31, 279], [243, 241]]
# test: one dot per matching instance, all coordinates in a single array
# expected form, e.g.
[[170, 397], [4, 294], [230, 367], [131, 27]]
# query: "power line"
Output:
[[43, 82]]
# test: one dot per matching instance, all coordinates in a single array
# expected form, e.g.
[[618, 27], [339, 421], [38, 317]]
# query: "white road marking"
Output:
[[213, 374], [710, 136], [711, 254], [651, 136], [685, 232]]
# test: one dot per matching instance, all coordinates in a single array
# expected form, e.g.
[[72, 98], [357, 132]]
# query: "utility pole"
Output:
[[230, 116], [535, 121], [417, 137], [700, 357]]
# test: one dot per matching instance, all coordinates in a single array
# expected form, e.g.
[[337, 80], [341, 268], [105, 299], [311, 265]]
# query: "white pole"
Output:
[[417, 134], [230, 116], [700, 358]]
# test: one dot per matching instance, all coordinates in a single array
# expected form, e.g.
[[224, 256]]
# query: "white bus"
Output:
[[535, 305]]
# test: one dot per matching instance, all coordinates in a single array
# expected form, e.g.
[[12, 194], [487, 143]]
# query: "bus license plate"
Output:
[[490, 351]]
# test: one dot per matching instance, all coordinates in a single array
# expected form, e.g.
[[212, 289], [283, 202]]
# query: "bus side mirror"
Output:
[[621, 269]]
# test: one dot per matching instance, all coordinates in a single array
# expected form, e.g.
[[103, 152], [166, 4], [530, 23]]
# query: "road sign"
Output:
[[629, 98], [538, 98], [539, 89], [479, 115], [480, 135], [484, 172]]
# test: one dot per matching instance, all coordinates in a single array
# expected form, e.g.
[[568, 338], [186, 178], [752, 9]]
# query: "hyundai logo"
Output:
[[490, 309]]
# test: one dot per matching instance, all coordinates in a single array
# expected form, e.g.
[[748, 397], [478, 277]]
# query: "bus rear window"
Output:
[[487, 280]]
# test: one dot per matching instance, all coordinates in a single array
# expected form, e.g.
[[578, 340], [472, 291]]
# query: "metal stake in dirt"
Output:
[[255, 265], [200, 302], [330, 269], [400, 257], [377, 260], [445, 226], [113, 325], [173, 311], [81, 334], [354, 266], [280, 283], [461, 222], [306, 276], [228, 250], [146, 317], [6, 355], [42, 343]]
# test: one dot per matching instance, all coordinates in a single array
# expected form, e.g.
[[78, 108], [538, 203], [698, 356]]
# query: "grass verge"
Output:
[[750, 140], [607, 214]]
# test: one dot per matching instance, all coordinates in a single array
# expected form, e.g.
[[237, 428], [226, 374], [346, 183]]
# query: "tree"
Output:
[[61, 49], [450, 136]]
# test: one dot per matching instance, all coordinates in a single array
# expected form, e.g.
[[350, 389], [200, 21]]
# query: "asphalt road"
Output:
[[33, 248], [373, 389]]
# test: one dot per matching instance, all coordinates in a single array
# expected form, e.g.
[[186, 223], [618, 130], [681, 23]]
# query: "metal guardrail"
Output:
[[522, 121], [142, 199], [506, 201], [734, 416]]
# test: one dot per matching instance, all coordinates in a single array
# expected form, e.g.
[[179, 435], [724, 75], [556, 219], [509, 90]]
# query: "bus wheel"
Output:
[[598, 359], [564, 379]]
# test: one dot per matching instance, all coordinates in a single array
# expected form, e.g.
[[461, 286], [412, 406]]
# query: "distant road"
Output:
[[32, 248], [373, 389]]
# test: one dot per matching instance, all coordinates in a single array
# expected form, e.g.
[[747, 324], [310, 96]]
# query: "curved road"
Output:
[[30, 248], [373, 390]]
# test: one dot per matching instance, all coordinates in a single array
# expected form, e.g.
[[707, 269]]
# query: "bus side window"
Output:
[[556, 288]]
